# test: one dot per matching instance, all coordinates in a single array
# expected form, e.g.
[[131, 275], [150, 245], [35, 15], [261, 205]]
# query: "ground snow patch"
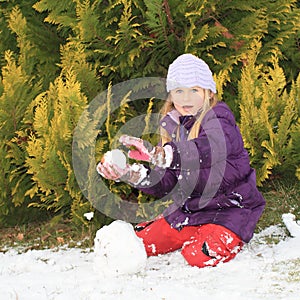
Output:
[[118, 250], [262, 270], [291, 224]]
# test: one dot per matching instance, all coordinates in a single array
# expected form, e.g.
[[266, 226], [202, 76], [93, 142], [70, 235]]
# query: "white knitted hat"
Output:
[[188, 70]]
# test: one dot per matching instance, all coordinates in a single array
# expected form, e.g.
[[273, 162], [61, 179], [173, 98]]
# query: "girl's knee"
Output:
[[158, 237], [213, 244], [203, 255]]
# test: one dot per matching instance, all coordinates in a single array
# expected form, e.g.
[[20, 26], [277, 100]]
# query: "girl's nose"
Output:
[[185, 96]]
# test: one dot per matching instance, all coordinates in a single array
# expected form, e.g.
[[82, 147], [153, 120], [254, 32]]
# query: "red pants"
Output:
[[201, 246]]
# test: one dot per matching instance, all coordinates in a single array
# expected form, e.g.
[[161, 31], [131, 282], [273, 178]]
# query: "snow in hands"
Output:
[[115, 157]]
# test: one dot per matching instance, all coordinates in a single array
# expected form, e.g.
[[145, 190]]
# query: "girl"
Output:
[[202, 165]]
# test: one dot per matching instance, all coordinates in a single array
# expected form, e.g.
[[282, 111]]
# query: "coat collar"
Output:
[[173, 120]]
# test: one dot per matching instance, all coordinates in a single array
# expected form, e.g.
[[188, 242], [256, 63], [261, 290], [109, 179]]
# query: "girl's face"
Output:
[[187, 101]]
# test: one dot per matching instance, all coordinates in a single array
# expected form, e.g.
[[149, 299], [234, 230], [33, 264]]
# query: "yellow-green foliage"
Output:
[[38, 49], [18, 90], [74, 54], [49, 147], [268, 117]]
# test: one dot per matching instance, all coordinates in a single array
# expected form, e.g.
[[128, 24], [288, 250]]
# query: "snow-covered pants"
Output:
[[201, 246]]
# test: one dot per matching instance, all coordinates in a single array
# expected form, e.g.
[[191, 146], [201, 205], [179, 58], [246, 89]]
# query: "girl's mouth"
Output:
[[187, 107]]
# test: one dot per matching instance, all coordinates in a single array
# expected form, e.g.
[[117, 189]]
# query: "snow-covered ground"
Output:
[[261, 271]]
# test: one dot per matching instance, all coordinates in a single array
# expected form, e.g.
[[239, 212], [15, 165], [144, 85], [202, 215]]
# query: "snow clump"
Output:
[[118, 250], [116, 157]]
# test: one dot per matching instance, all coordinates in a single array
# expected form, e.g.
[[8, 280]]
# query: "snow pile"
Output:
[[118, 250]]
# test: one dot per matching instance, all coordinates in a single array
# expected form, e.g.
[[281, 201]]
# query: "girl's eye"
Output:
[[195, 90], [178, 91]]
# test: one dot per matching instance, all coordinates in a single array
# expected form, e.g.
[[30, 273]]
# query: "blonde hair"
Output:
[[210, 100]]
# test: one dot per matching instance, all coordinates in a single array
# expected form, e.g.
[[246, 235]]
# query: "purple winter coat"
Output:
[[210, 179]]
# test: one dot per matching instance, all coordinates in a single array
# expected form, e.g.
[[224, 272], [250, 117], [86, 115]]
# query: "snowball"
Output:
[[118, 250], [116, 157]]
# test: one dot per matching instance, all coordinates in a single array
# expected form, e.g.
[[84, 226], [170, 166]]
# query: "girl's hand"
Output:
[[139, 149], [133, 174], [111, 171], [142, 150]]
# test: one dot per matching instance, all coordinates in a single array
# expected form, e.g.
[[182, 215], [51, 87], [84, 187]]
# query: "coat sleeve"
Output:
[[159, 182]]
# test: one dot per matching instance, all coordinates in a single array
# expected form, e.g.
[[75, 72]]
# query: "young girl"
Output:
[[202, 165]]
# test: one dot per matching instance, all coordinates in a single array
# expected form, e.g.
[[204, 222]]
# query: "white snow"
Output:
[[118, 250], [117, 157], [291, 224], [141, 173], [261, 271], [89, 216]]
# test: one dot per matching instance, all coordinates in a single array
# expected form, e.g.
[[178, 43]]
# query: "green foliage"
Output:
[[37, 43], [61, 13], [73, 54], [295, 136], [268, 117], [56, 56], [127, 39], [282, 196], [15, 119]]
